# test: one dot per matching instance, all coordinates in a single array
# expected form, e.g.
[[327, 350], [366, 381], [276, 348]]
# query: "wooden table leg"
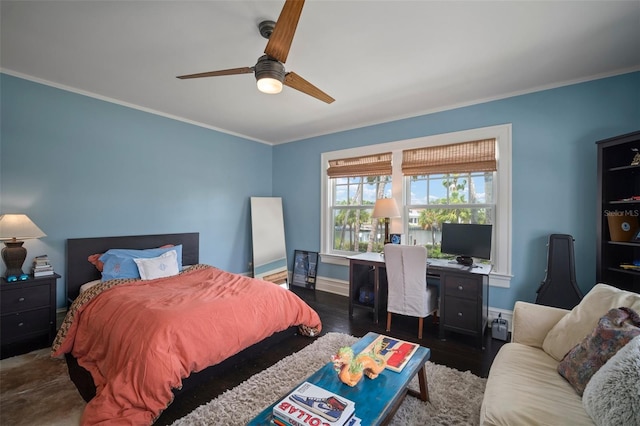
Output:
[[424, 386]]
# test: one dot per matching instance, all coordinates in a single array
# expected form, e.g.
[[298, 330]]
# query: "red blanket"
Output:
[[139, 339]]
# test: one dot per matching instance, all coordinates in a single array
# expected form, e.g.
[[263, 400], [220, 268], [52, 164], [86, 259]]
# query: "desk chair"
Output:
[[408, 292]]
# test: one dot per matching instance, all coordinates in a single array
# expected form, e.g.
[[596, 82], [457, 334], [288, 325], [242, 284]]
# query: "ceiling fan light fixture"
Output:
[[269, 75], [269, 69], [269, 85]]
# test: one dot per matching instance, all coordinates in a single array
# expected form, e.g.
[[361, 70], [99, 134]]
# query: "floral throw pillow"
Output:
[[614, 330]]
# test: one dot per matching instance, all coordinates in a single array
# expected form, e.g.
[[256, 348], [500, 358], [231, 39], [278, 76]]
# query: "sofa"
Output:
[[524, 386]]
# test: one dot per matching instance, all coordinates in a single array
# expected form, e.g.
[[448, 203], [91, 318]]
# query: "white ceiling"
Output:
[[380, 60]]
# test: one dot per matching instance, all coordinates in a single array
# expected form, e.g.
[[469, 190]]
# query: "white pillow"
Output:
[[165, 265], [612, 396]]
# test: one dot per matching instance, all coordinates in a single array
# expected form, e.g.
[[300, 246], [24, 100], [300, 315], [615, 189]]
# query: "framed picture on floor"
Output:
[[305, 264]]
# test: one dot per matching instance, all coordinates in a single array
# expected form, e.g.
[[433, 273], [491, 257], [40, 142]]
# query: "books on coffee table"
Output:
[[395, 351], [309, 404]]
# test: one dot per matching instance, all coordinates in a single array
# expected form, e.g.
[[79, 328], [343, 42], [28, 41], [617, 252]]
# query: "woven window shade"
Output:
[[474, 156], [369, 165]]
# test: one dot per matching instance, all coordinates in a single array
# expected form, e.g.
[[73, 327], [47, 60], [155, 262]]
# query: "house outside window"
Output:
[[426, 199]]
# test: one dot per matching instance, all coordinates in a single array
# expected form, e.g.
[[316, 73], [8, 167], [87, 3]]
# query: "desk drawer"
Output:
[[17, 326], [20, 299], [461, 313], [460, 286]]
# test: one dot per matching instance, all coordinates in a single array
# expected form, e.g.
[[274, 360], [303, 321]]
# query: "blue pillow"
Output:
[[118, 263]]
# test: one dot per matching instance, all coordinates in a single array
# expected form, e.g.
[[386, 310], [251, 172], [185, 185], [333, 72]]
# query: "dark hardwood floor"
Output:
[[457, 351]]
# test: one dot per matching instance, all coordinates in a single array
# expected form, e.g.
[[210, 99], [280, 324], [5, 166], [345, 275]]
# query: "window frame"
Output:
[[501, 272]]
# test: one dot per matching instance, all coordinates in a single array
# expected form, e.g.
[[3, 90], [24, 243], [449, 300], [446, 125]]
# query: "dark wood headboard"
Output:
[[80, 271]]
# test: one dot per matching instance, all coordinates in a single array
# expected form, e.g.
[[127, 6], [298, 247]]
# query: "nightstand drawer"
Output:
[[20, 299], [17, 326], [459, 286]]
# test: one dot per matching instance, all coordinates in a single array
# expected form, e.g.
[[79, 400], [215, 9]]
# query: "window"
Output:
[[426, 197], [356, 183], [354, 230], [451, 183], [439, 198]]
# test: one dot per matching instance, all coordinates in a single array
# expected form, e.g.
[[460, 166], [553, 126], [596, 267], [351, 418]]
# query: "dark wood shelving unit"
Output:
[[625, 202], [625, 271], [618, 181]]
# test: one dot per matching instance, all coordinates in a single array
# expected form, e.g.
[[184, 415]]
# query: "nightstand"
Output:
[[27, 314]]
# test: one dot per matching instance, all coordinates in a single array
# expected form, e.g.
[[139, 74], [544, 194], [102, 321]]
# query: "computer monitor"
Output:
[[466, 241]]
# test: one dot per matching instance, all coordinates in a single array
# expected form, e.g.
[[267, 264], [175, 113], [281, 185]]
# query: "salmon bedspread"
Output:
[[139, 339]]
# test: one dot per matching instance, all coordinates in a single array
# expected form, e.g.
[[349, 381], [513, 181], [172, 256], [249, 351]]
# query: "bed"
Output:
[[135, 343]]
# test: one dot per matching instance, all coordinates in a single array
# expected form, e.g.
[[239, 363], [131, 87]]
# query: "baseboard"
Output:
[[341, 287], [332, 285]]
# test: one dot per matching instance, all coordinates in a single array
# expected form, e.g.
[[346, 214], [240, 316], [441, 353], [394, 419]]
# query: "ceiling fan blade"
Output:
[[294, 81], [282, 36], [232, 71]]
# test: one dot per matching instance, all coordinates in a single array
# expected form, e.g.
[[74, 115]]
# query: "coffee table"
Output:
[[376, 400]]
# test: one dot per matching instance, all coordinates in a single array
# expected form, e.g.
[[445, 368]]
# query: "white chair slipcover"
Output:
[[406, 275]]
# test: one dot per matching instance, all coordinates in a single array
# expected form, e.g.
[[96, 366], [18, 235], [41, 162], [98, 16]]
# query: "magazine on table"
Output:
[[309, 404], [276, 421], [395, 351]]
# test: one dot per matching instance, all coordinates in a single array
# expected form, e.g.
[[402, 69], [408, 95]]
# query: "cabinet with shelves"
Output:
[[618, 195]]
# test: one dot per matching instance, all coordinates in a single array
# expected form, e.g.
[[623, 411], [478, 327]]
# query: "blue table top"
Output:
[[375, 398]]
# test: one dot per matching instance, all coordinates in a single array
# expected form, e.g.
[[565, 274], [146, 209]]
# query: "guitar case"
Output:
[[559, 288]]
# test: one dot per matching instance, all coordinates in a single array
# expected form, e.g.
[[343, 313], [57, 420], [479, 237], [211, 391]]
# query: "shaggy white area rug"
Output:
[[455, 396]]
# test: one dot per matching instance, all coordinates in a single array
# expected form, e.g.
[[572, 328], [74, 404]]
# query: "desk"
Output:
[[464, 292], [368, 270]]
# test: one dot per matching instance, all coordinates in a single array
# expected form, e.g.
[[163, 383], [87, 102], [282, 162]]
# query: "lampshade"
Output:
[[18, 227], [385, 207], [13, 229]]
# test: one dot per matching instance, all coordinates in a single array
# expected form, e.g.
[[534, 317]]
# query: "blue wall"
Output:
[[81, 167], [554, 171]]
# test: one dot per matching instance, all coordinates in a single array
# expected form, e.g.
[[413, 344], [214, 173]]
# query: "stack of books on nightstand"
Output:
[[41, 266], [309, 404]]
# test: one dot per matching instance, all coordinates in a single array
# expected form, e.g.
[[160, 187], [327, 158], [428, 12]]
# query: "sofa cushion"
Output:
[[614, 331], [531, 322], [524, 388], [583, 318], [612, 396]]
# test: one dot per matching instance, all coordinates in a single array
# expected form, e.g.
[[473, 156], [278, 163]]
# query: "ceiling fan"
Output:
[[269, 70]]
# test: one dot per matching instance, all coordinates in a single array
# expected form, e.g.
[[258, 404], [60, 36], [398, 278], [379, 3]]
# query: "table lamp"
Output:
[[386, 208], [14, 228]]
